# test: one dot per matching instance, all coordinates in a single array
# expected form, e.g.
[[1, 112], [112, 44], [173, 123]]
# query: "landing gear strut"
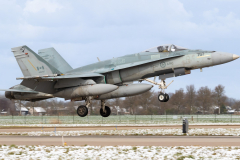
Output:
[[162, 97], [105, 111]]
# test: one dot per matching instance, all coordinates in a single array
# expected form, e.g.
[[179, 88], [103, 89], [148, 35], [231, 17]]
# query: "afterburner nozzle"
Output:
[[9, 95]]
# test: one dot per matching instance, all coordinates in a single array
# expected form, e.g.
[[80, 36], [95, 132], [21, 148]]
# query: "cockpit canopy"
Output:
[[166, 48]]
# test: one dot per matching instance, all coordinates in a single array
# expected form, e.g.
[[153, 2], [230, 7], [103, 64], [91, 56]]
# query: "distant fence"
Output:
[[119, 119]]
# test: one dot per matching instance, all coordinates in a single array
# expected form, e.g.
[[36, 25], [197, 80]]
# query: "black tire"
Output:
[[166, 97], [106, 113], [161, 97], [82, 111]]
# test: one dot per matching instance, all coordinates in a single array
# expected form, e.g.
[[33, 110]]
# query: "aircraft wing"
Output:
[[56, 77], [46, 85], [18, 90], [84, 75]]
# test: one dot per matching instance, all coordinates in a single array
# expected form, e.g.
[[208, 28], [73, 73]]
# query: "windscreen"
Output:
[[166, 48]]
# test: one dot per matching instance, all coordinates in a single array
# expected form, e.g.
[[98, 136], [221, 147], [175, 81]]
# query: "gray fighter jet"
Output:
[[47, 74]]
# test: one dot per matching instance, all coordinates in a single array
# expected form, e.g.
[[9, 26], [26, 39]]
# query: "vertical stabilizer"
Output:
[[55, 59], [32, 64]]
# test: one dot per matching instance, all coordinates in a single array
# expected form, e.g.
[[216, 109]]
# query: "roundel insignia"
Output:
[[163, 64]]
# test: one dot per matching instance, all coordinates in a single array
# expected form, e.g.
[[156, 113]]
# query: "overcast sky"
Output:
[[83, 30]]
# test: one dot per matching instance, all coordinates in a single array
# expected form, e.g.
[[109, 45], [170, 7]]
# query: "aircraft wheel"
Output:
[[106, 113], [82, 111], [166, 97], [161, 97]]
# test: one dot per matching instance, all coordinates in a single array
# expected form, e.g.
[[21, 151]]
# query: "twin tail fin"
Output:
[[32, 64]]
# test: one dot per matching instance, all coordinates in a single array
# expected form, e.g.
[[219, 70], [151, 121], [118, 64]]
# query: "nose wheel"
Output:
[[163, 97]]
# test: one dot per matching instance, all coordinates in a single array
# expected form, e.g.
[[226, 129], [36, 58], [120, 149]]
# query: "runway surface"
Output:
[[30, 129], [124, 140]]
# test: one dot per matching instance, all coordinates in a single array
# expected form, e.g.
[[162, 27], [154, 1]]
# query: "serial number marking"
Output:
[[200, 55]]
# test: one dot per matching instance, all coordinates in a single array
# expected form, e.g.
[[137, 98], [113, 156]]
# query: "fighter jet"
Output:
[[49, 75]]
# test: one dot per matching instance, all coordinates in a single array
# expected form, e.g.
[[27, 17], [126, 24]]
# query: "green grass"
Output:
[[120, 119], [181, 158], [134, 148], [10, 153], [13, 146]]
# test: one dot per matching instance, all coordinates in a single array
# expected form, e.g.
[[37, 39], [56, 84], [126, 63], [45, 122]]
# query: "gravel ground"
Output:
[[118, 152]]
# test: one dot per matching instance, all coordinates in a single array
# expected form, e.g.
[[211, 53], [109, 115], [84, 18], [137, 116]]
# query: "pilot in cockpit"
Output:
[[166, 49], [162, 49]]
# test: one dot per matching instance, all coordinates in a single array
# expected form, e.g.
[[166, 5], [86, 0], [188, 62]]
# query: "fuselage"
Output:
[[149, 64], [163, 61]]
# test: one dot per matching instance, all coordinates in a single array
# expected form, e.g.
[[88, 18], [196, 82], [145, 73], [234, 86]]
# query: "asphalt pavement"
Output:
[[123, 140]]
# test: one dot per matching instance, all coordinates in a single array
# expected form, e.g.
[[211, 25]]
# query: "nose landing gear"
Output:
[[162, 97]]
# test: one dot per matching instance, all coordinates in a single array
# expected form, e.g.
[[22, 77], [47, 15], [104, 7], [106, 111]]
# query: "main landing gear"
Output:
[[82, 110], [162, 97], [105, 111]]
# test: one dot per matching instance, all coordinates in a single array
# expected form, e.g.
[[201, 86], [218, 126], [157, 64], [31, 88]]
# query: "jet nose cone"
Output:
[[235, 56], [222, 57]]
